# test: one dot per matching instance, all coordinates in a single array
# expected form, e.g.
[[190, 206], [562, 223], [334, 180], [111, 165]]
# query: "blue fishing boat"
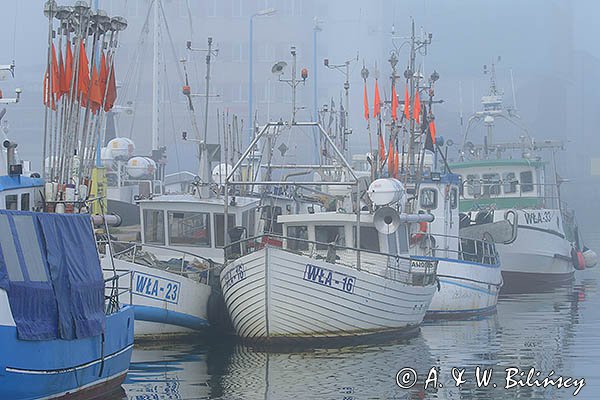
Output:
[[60, 337]]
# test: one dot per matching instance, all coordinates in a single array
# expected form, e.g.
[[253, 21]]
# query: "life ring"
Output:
[[577, 259], [417, 237]]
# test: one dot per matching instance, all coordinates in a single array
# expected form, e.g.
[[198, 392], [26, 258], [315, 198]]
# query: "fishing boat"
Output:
[[468, 268], [511, 181], [331, 276]]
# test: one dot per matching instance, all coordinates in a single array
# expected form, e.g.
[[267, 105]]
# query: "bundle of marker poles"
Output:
[[77, 95]]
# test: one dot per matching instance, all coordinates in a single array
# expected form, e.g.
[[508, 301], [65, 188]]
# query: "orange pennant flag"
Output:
[[95, 90], [51, 88], [406, 104], [61, 75], [366, 101], [432, 130], [103, 75], [111, 90], [377, 101], [417, 107], [68, 75], [48, 97], [83, 86], [391, 159], [394, 103]]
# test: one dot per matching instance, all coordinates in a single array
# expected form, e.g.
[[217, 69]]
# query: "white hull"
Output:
[[164, 303], [269, 296], [466, 288]]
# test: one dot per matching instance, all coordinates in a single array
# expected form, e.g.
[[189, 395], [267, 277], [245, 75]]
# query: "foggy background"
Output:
[[550, 46]]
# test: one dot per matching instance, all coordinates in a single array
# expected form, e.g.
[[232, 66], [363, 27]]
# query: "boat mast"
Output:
[[155, 76]]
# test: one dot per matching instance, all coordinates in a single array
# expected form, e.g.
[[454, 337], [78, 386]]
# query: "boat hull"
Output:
[[164, 303], [274, 295], [536, 259], [466, 288], [81, 368]]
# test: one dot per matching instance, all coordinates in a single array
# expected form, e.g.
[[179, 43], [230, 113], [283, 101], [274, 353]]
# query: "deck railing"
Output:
[[415, 271], [472, 250], [180, 263]]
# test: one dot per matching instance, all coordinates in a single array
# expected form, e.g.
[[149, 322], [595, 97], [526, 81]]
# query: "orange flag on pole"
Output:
[[417, 107], [432, 130], [95, 90], [111, 91], [391, 159], [68, 75], [52, 93], [376, 101], [394, 103], [366, 101], [84, 72], [406, 104]]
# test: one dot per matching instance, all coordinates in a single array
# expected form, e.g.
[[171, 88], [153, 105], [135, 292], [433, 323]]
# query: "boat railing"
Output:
[[415, 271], [479, 251], [183, 263], [113, 289]]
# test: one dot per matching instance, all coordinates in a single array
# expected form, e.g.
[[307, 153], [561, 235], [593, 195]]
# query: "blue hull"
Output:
[[66, 368]]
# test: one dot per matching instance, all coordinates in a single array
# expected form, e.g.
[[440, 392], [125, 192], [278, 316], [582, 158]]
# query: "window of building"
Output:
[[32, 253], [154, 226], [219, 220], [329, 234], [491, 184], [11, 201], [300, 232], [526, 180], [510, 182], [189, 228], [236, 8], [429, 198], [25, 202]]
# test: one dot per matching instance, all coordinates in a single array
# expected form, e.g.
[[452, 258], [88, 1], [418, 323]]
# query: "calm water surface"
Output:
[[557, 330]]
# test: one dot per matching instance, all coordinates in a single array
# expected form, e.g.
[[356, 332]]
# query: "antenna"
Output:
[[512, 84]]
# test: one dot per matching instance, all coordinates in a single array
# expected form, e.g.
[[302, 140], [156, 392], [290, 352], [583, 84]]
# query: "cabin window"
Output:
[[429, 198], [329, 234], [219, 220], [9, 252], [402, 233], [189, 228], [269, 215], [369, 238], [154, 226], [473, 185], [300, 232], [392, 244], [11, 201], [453, 198], [248, 222], [526, 181], [510, 182], [34, 263], [491, 184], [25, 202]]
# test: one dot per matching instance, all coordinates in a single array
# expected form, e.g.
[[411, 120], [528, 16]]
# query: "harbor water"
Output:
[[552, 332]]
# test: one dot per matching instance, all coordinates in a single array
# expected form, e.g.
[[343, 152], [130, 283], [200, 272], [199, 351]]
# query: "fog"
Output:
[[550, 46]]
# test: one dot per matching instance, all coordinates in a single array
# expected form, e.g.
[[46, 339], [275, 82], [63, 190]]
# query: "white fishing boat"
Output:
[[468, 268], [511, 181]]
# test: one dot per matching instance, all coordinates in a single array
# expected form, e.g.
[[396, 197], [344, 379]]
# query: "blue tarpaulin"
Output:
[[50, 268]]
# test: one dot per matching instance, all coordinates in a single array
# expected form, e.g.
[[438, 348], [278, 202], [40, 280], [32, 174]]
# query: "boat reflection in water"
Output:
[[528, 331], [547, 331], [168, 371]]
